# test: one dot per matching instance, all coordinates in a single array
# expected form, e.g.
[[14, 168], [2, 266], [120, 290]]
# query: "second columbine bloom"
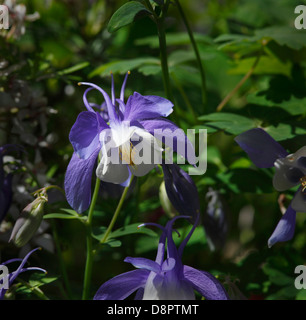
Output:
[[166, 278]]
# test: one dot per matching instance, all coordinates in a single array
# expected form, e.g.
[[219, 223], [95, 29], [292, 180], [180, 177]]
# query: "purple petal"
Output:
[[84, 134], [139, 294], [20, 268], [143, 263], [78, 181], [123, 86], [262, 149], [140, 107], [11, 260], [87, 104], [168, 264], [205, 283], [123, 285], [170, 134], [172, 251], [110, 107], [284, 230], [184, 242]]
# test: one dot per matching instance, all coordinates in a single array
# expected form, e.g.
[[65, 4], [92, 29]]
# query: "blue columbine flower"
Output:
[[290, 171], [9, 279], [91, 136], [165, 278]]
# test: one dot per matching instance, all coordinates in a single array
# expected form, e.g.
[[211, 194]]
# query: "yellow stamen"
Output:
[[127, 153], [303, 183]]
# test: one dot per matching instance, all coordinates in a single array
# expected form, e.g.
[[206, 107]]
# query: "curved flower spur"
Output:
[[118, 142], [163, 279], [290, 171], [7, 280]]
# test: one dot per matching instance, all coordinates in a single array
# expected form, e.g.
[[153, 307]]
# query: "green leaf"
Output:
[[113, 243], [266, 65], [131, 229], [277, 277], [63, 216], [74, 68], [127, 14], [301, 295], [180, 56], [294, 106], [39, 279], [70, 211], [231, 123], [284, 36], [284, 131], [173, 39], [123, 231], [123, 66], [149, 70]]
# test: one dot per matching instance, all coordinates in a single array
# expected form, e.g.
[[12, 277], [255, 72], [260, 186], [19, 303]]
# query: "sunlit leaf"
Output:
[[127, 14], [294, 106], [284, 36], [266, 65], [229, 122], [173, 39], [123, 66], [63, 216], [74, 68]]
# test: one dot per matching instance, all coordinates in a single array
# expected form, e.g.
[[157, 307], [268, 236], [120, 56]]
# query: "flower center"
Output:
[[127, 153], [303, 183]]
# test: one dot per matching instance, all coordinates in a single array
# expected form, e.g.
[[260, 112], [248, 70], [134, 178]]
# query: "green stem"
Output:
[[163, 52], [60, 258], [90, 253], [116, 214], [196, 51]]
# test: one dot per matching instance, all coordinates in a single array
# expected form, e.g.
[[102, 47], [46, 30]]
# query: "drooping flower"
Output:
[[290, 171], [119, 142], [7, 280], [215, 220], [165, 278], [181, 190]]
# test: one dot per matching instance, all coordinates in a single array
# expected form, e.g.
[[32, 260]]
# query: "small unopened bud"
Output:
[[165, 202], [28, 222]]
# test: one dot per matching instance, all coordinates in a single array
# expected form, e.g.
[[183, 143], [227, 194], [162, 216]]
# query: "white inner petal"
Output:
[[114, 173], [127, 145]]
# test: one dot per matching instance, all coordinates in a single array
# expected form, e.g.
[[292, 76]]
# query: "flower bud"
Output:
[[165, 202], [181, 190], [28, 222]]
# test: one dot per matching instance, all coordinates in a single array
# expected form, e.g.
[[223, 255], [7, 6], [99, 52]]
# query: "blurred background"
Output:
[[52, 45]]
